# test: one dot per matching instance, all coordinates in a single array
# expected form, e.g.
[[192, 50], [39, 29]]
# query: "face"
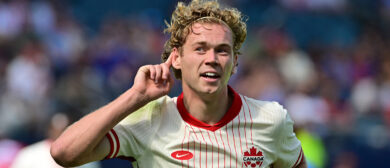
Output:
[[206, 59]]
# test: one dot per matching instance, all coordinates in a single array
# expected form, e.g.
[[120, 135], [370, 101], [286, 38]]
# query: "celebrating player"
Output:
[[208, 125]]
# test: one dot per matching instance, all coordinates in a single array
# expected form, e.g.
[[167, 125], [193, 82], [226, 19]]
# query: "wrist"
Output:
[[135, 99]]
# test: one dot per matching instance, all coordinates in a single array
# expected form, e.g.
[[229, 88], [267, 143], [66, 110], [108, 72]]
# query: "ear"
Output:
[[235, 64], [176, 59]]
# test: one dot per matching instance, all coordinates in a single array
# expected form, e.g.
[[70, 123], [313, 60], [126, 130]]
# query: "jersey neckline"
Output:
[[233, 111]]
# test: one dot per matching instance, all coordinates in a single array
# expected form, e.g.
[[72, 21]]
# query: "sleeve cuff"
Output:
[[299, 160], [114, 144]]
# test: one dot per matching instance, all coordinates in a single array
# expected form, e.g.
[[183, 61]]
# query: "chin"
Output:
[[211, 89]]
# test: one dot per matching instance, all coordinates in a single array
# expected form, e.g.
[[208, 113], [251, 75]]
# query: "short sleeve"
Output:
[[131, 137], [290, 151]]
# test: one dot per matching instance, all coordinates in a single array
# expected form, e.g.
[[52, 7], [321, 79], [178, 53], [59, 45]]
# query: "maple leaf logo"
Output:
[[253, 158], [252, 152]]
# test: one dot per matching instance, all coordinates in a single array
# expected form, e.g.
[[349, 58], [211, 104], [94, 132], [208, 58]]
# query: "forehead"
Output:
[[213, 33]]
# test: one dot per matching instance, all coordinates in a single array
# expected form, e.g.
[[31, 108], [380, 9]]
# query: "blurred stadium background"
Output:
[[326, 61]]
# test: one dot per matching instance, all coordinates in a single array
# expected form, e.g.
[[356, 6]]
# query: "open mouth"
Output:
[[210, 75]]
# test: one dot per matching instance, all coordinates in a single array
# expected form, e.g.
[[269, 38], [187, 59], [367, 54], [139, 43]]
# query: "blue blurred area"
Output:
[[326, 61]]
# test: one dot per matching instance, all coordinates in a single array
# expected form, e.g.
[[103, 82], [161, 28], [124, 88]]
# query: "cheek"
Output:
[[191, 62], [229, 65], [189, 67]]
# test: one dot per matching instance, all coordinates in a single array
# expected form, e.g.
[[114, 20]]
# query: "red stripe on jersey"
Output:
[[111, 145], [188, 147], [299, 158], [250, 117], [212, 150], [200, 155], [200, 146], [234, 142], [233, 111], [230, 149], [246, 140], [189, 136], [117, 142], [224, 149], [205, 142], [239, 134], [194, 133], [182, 142], [215, 136]]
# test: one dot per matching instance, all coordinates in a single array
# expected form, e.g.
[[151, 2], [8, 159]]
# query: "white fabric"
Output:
[[38, 156], [152, 134]]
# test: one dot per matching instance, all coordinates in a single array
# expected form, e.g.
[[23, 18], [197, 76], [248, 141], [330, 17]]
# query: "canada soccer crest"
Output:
[[253, 158]]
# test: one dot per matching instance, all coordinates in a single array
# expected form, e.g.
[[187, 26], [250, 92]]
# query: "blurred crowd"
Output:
[[326, 61]]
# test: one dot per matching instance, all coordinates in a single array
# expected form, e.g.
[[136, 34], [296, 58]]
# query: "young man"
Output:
[[208, 125]]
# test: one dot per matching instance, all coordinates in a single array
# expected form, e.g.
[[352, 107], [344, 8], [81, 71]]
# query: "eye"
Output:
[[200, 50], [223, 51]]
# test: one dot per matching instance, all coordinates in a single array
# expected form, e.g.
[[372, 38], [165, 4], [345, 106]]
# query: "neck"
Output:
[[208, 108]]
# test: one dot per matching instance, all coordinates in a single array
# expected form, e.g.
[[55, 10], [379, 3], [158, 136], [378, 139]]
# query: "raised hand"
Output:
[[154, 81]]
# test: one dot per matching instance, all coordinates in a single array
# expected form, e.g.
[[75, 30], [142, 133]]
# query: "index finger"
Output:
[[168, 62]]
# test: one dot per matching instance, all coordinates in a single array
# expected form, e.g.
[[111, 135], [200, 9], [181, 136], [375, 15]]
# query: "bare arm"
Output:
[[85, 141]]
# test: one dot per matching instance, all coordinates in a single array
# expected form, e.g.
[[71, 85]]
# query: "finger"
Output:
[[170, 82], [168, 62], [152, 72], [145, 69], [158, 73], [165, 71]]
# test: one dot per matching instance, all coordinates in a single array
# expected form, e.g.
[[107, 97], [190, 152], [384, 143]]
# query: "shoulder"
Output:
[[269, 115], [151, 111], [270, 108]]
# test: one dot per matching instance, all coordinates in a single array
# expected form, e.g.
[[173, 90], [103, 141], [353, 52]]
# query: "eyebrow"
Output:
[[203, 43]]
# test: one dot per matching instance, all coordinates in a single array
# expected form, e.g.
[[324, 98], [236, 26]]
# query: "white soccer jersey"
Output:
[[163, 134]]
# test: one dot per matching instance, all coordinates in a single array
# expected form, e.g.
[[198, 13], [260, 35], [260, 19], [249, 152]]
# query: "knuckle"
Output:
[[165, 66], [144, 67]]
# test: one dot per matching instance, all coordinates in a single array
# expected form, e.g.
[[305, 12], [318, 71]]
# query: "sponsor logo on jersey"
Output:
[[253, 158], [182, 155]]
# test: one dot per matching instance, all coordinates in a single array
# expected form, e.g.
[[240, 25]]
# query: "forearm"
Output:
[[82, 138], [84, 141]]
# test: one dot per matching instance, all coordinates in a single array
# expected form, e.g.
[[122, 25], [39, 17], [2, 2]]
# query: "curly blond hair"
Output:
[[202, 11]]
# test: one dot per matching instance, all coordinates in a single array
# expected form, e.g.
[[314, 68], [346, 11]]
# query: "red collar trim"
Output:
[[233, 111]]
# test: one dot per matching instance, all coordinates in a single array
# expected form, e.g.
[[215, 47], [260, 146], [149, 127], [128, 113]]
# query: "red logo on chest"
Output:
[[182, 155], [253, 158]]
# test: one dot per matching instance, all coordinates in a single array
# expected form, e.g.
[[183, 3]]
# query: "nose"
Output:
[[211, 58]]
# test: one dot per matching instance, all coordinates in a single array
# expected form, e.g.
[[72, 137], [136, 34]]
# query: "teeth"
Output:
[[210, 74]]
